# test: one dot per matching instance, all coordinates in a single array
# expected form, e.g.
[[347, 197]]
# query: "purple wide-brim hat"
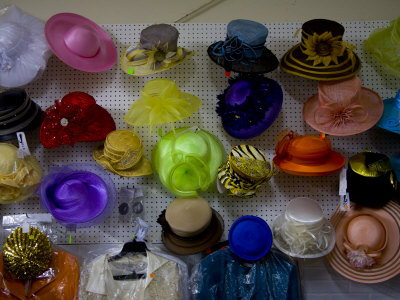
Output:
[[78, 195], [249, 105]]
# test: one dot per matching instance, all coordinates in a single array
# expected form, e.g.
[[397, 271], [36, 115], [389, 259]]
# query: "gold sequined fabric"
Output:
[[378, 168], [27, 255]]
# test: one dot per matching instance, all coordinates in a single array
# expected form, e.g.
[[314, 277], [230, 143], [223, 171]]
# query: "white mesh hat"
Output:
[[23, 48]]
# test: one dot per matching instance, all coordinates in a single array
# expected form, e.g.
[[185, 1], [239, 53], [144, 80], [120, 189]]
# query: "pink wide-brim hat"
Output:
[[80, 43], [343, 108]]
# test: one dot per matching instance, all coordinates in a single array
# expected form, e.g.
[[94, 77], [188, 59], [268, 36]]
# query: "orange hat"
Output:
[[307, 155]]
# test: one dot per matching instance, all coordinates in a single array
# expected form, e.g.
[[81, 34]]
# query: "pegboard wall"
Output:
[[115, 91]]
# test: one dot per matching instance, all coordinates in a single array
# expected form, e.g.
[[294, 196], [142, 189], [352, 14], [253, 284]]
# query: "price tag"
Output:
[[343, 182], [25, 228], [23, 145], [345, 202], [220, 187], [138, 192]]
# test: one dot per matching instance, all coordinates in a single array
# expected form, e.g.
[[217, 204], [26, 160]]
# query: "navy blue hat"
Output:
[[249, 105], [250, 238], [243, 50]]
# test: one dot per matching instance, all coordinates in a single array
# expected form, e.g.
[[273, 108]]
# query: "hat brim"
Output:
[[56, 28], [197, 243], [267, 62], [390, 119], [36, 121], [142, 70], [371, 102], [389, 262], [142, 168], [285, 248], [333, 164], [296, 63]]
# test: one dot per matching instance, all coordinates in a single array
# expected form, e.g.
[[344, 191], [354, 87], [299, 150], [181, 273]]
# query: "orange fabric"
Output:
[[62, 286], [310, 148]]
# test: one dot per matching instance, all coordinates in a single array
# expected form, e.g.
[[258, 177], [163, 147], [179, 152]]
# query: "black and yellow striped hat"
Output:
[[246, 170], [321, 54]]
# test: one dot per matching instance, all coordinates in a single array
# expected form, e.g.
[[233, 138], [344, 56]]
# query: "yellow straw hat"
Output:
[[122, 154]]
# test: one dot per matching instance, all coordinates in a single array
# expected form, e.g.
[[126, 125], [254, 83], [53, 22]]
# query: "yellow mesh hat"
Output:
[[161, 102]]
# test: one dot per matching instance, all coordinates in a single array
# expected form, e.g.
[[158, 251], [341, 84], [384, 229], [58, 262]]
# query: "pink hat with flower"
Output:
[[343, 107]]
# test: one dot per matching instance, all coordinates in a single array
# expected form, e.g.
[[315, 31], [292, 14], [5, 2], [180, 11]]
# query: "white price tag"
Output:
[[343, 183], [220, 187], [23, 145], [138, 192], [345, 202], [25, 228]]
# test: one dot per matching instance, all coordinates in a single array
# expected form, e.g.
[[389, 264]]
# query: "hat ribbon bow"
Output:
[[361, 256], [155, 58], [334, 115], [233, 49]]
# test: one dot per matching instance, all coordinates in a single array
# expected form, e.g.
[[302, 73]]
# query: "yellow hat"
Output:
[[19, 177], [122, 154]]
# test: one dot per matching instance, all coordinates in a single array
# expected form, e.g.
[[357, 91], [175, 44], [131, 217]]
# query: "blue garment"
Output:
[[224, 276]]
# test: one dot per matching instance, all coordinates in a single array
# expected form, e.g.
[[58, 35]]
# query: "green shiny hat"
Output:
[[187, 160]]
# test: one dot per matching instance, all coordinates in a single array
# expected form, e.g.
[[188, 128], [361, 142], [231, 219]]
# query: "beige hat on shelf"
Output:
[[188, 216], [190, 225]]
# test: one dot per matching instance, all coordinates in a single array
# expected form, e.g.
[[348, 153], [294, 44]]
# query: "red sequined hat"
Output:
[[75, 118]]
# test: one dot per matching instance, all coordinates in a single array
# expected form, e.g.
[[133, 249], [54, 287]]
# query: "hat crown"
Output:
[[341, 93], [159, 35], [320, 26], [250, 32], [250, 237], [366, 230], [12, 99], [309, 148], [82, 40], [369, 164], [188, 216], [304, 210]]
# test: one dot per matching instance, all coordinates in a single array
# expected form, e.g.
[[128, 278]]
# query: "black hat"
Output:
[[17, 113]]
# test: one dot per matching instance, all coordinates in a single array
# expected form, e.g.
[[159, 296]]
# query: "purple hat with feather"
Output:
[[78, 195], [249, 105]]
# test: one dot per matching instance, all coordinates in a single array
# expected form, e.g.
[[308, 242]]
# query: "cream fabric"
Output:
[[162, 279]]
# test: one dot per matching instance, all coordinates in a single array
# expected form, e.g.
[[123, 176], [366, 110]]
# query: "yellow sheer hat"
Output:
[[122, 154], [384, 45], [19, 177], [157, 51], [161, 102]]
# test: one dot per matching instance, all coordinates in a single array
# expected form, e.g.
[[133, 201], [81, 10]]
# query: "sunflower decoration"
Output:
[[324, 48]]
